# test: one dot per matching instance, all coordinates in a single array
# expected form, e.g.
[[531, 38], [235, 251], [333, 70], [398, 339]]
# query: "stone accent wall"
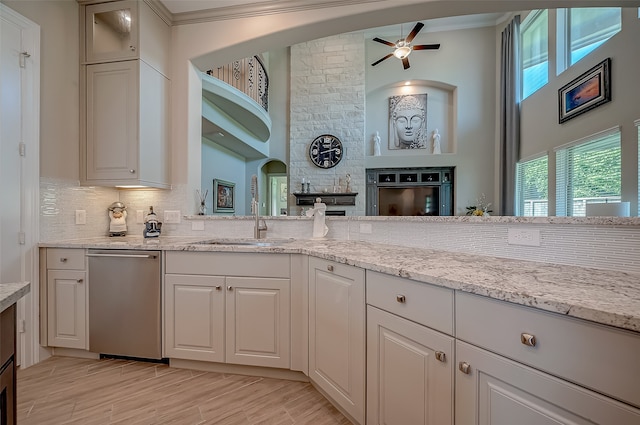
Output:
[[328, 97]]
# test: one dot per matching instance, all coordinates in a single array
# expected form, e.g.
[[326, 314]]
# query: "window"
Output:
[[588, 171], [535, 52], [589, 28], [532, 187]]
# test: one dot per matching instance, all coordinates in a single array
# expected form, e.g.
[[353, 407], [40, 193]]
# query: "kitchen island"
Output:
[[10, 293]]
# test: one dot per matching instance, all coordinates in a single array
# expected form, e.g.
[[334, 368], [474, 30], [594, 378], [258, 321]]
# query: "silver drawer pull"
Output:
[[528, 339], [229, 288], [63, 260], [401, 298], [218, 287], [330, 267], [464, 367], [80, 280], [441, 356]]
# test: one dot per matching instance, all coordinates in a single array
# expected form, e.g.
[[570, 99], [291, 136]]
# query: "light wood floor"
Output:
[[64, 390]]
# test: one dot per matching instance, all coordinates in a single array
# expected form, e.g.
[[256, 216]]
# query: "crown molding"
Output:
[[161, 10], [259, 9]]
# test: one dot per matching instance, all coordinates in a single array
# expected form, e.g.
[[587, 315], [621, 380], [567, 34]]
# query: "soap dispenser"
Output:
[[318, 212], [151, 225]]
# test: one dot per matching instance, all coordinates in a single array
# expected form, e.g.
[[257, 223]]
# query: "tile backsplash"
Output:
[[611, 246]]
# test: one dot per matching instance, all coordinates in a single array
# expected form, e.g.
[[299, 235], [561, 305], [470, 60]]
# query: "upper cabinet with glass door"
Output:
[[112, 31]]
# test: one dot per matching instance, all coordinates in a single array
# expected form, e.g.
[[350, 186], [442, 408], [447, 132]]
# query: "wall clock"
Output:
[[326, 151]]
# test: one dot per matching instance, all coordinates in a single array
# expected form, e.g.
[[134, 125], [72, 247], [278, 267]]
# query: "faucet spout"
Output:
[[260, 225]]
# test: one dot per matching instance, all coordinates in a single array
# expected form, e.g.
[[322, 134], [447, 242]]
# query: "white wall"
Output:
[[220, 163], [459, 79], [541, 131]]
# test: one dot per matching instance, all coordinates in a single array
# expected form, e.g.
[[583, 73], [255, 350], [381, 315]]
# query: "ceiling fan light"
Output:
[[402, 52]]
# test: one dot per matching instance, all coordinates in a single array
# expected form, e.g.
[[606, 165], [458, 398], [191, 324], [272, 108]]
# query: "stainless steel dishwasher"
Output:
[[124, 303]]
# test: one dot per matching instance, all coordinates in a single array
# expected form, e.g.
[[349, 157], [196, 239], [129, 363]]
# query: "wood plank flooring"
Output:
[[65, 390]]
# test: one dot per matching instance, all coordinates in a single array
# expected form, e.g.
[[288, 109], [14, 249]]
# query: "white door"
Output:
[[19, 185]]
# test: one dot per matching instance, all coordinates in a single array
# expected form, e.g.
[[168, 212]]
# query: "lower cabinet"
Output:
[[492, 390], [337, 334], [234, 319], [7, 366], [409, 372], [66, 295]]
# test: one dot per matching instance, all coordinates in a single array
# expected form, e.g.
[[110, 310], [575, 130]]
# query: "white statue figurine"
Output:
[[436, 142], [376, 144]]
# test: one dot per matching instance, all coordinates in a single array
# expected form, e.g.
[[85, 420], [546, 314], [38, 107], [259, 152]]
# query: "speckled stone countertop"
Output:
[[12, 292], [602, 296]]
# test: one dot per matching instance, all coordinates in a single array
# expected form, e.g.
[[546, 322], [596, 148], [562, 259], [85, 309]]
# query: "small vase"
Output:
[[203, 209]]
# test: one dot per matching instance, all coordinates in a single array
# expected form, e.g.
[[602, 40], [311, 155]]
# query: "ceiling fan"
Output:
[[403, 47]]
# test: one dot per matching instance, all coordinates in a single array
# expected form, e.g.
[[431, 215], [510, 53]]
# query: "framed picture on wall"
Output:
[[408, 122], [589, 90], [223, 196]]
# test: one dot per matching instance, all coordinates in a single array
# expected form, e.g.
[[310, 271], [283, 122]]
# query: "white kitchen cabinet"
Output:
[[541, 368], [66, 295], [234, 319], [125, 95], [337, 334], [127, 125], [410, 367]]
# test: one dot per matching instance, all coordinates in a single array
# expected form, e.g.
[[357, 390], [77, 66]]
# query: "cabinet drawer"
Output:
[[228, 264], [65, 259], [429, 305], [599, 357]]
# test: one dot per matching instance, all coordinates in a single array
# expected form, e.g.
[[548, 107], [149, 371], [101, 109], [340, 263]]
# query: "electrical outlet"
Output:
[[139, 217], [366, 228], [527, 237], [81, 217], [172, 217]]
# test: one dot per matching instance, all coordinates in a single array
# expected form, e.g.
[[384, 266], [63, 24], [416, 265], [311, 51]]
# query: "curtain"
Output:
[[509, 115]]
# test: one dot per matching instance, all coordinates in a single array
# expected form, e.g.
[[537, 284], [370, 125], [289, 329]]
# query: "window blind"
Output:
[[588, 172], [532, 186], [590, 27]]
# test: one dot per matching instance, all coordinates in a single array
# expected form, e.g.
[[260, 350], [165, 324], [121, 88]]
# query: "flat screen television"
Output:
[[413, 201]]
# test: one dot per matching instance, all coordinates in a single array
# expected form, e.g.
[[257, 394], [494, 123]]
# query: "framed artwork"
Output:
[[589, 90], [408, 122], [223, 196]]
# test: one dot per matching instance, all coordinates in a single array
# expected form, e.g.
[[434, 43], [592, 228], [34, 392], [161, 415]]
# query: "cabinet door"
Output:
[[67, 309], [111, 31], [8, 395], [495, 391], [409, 372], [258, 324], [337, 334], [112, 121], [194, 317]]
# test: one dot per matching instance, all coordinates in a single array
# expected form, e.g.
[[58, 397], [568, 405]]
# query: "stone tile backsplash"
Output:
[[605, 246]]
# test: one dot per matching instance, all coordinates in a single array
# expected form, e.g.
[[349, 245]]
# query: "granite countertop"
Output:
[[12, 292], [602, 296]]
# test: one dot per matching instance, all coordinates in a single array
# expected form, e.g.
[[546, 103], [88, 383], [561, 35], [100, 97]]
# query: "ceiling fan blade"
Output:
[[414, 32], [380, 60], [405, 63], [388, 43], [426, 47]]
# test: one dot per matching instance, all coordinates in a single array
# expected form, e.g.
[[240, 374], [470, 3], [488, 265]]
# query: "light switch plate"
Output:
[[527, 237], [81, 217], [171, 217]]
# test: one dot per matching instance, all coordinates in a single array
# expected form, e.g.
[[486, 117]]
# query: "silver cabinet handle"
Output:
[[330, 267], [132, 171], [464, 367], [63, 260], [133, 48], [218, 287], [401, 298], [528, 339], [229, 288], [441, 356], [80, 280]]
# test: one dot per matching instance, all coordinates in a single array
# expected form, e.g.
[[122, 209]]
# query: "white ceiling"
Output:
[[181, 6]]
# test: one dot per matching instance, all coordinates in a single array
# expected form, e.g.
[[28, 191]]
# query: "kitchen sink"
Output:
[[245, 242]]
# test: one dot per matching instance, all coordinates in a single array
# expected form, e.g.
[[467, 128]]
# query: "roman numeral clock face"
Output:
[[325, 151]]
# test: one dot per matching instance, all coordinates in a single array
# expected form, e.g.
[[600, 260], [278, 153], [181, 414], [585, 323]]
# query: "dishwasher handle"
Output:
[[123, 255]]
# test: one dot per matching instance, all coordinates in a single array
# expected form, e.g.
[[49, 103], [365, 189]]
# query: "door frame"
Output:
[[28, 314]]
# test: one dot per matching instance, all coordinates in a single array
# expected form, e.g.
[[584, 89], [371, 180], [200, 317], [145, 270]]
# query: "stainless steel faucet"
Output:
[[260, 225]]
